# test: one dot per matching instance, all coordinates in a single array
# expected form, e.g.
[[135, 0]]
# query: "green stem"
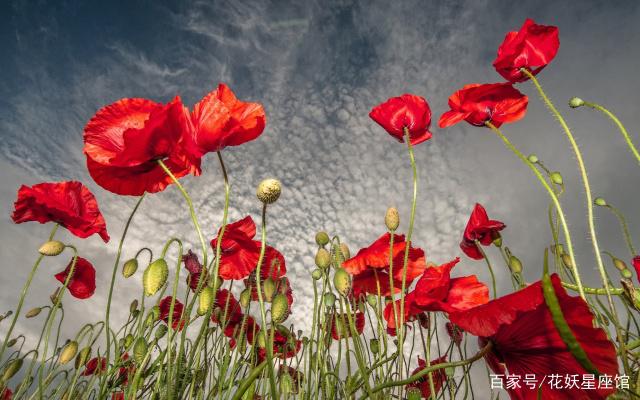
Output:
[[625, 228], [621, 127], [493, 276], [599, 292], [554, 198], [248, 381]]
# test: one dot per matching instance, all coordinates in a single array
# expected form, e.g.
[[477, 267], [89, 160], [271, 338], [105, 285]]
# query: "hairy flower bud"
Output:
[[51, 248], [279, 308], [372, 300], [245, 298], [269, 191], [329, 299], [205, 300], [33, 312], [129, 267], [82, 357], [556, 178], [515, 265], [268, 289], [576, 102], [566, 260], [11, 369], [161, 330], [392, 219], [323, 258], [619, 264], [533, 159], [414, 393], [374, 345], [316, 274], [128, 341], [155, 276], [344, 249], [68, 352], [599, 201], [342, 281], [140, 350], [322, 238]]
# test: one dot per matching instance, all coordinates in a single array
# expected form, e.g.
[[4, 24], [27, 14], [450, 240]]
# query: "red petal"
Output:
[[83, 282]]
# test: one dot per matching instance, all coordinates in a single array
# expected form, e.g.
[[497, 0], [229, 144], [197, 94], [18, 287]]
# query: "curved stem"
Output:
[[493, 276], [554, 198], [621, 127], [248, 381], [625, 228]]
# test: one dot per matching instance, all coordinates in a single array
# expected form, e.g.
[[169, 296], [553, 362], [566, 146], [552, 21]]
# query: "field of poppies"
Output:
[[382, 315]]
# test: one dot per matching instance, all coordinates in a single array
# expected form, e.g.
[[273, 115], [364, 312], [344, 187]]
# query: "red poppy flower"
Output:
[[479, 228], [177, 322], [6, 394], [221, 120], [240, 252], [340, 325], [83, 281], [636, 265], [411, 313], [226, 309], [124, 140], [127, 370], [526, 341], [454, 332], [439, 377], [274, 267], [407, 111], [247, 328], [285, 345], [478, 104], [192, 264], [117, 396], [69, 204], [96, 366], [532, 47], [370, 267]]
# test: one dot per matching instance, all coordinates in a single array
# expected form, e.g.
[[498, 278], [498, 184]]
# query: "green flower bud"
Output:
[[599, 201], [268, 289], [155, 276], [316, 274], [323, 258], [374, 345], [33, 312], [133, 306], [269, 191], [497, 241], [344, 249], [11, 369], [566, 260], [161, 330], [342, 281], [619, 264], [129, 267], [140, 350], [286, 384], [128, 341], [82, 357], [329, 299], [533, 159], [51, 248], [261, 340], [576, 102], [626, 274], [392, 219], [245, 298], [205, 300], [12, 342], [68, 352], [556, 178], [372, 300], [515, 265], [279, 308], [414, 394], [322, 238]]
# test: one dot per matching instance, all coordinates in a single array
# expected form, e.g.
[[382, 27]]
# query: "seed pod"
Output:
[[245, 298], [329, 299], [414, 393], [140, 350], [323, 259], [372, 300], [68, 352], [576, 102], [316, 274], [82, 357], [268, 289], [322, 238], [161, 330], [269, 191], [279, 308], [556, 178], [11, 369], [51, 248], [205, 300], [342, 281], [129, 267], [392, 219], [33, 312], [515, 265], [374, 345], [155, 276]]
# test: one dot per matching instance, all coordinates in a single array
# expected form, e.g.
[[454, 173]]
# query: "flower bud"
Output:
[[33, 312], [128, 341], [329, 299], [322, 238], [619, 264], [374, 345], [129, 267], [133, 306], [316, 274], [55, 297], [155, 276], [566, 260], [279, 308], [392, 219], [82, 357], [414, 393], [323, 258], [11, 369], [450, 371], [576, 102], [342, 281], [626, 274], [497, 240], [268, 289], [245, 298], [344, 249], [286, 384], [599, 201], [268, 191], [12, 342], [372, 300], [161, 330], [261, 340], [51, 248], [533, 159], [140, 350], [556, 178], [515, 265], [68, 352], [205, 300]]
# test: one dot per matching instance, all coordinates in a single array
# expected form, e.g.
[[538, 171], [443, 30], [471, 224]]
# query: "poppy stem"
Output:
[[493, 276], [599, 292], [25, 289], [625, 228], [554, 198], [590, 219]]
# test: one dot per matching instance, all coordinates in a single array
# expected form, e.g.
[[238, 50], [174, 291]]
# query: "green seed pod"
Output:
[[245, 298], [515, 265], [269, 191], [533, 159], [316, 274], [205, 300], [372, 300], [11, 369], [51, 248], [576, 102], [129, 267], [155, 276], [329, 299], [342, 281], [279, 308], [414, 394], [34, 312], [374, 345], [323, 258], [556, 178], [82, 357], [392, 219], [140, 350], [599, 201], [68, 352], [322, 238], [161, 330], [268, 289]]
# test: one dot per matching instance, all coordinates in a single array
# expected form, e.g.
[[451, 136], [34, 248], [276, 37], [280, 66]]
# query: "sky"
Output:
[[318, 67]]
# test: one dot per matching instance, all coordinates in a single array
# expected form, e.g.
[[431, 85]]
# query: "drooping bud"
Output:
[[576, 102], [374, 345], [133, 306], [322, 238], [372, 300], [329, 299], [51, 248], [161, 330], [618, 263], [533, 159], [566, 260], [342, 281], [515, 265], [155, 276], [82, 357], [33, 312], [11, 369], [414, 393], [140, 350], [556, 178], [205, 300], [268, 289], [323, 258], [344, 249], [55, 297], [245, 298], [129, 267], [279, 308], [269, 191], [68, 352], [12, 342], [316, 274], [392, 219]]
